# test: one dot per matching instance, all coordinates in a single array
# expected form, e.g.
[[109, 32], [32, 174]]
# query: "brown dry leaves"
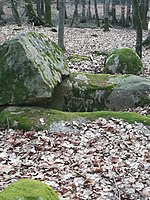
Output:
[[103, 159]]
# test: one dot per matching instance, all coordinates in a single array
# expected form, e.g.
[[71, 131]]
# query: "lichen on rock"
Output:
[[26, 189], [31, 65], [123, 61]]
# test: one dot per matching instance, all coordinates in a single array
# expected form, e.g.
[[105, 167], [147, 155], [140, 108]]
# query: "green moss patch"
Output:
[[123, 61], [99, 53], [30, 118], [26, 189], [130, 117], [78, 58]]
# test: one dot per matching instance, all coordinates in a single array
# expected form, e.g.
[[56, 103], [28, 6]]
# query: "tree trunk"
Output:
[[96, 13], [75, 14], [128, 16], [1, 10], [144, 4], [29, 9], [89, 15], [106, 17], [61, 24], [38, 8], [66, 16], [114, 19], [138, 26], [123, 12], [42, 7], [47, 14], [83, 18], [15, 12]]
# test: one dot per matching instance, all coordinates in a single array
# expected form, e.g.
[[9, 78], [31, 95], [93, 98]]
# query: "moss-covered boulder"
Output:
[[31, 65], [82, 92], [26, 189], [123, 61], [90, 92]]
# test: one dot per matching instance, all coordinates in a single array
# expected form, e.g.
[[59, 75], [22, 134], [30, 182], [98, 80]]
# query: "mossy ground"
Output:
[[26, 189], [29, 118], [77, 58], [99, 53]]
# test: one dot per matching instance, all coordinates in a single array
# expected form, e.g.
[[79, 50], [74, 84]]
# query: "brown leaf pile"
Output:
[[101, 159]]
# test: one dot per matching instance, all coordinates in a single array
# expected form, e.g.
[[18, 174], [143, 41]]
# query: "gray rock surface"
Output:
[[31, 66], [129, 92]]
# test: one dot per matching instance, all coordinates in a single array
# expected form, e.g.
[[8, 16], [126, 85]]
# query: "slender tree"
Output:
[[29, 9], [15, 12], [128, 15], [38, 8], [61, 24], [138, 26], [144, 6], [114, 19], [75, 14], [83, 18], [1, 10], [96, 13], [106, 17], [89, 15], [47, 14], [123, 12]]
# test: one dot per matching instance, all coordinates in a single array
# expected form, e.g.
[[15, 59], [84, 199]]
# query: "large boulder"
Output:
[[93, 92], [26, 189], [123, 61], [31, 66], [130, 91]]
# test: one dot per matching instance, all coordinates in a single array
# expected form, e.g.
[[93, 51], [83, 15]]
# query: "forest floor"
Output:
[[104, 159]]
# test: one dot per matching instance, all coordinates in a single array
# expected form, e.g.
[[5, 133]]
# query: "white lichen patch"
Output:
[[82, 77], [115, 64]]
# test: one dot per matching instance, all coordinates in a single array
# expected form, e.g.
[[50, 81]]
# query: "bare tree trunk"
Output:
[[61, 24], [47, 14], [96, 13], [15, 12], [89, 15], [75, 14], [42, 7], [138, 26], [114, 19], [144, 6], [1, 10], [83, 18], [128, 16], [66, 16], [106, 17], [123, 12], [29, 9], [38, 8]]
